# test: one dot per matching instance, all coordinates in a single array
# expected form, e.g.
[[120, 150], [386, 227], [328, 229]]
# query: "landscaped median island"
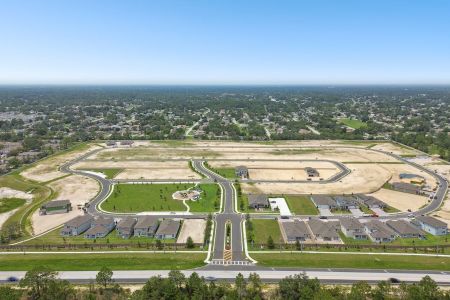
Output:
[[135, 198], [358, 261], [109, 173], [91, 261]]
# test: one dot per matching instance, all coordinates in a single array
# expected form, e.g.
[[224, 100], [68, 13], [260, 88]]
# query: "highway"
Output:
[[329, 276]]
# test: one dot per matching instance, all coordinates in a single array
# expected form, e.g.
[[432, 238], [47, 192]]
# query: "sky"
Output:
[[225, 42]]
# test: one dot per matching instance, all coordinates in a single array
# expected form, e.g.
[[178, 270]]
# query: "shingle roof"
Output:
[[295, 229], [322, 229], [102, 221], [323, 200], [431, 221], [56, 203], [96, 229], [126, 223], [77, 221], [403, 227], [258, 199], [379, 229], [351, 224], [168, 227], [146, 221]]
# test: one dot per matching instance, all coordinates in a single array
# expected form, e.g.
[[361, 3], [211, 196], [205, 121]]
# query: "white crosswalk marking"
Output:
[[230, 262]]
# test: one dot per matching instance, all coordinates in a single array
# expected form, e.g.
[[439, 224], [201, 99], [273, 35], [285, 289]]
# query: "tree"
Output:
[[189, 243], [241, 285], [270, 243], [177, 278], [254, 289], [104, 277], [37, 280], [360, 290], [8, 293]]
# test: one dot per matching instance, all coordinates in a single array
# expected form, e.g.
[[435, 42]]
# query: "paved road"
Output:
[[330, 276]]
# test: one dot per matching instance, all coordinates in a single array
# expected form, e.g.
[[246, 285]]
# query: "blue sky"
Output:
[[225, 42]]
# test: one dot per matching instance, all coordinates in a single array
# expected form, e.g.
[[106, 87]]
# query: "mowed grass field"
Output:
[[301, 205], [263, 228], [9, 204], [109, 173], [353, 123], [93, 262], [226, 172], [329, 260], [158, 197]]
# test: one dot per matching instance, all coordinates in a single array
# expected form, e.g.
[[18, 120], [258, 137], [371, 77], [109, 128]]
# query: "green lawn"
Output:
[[263, 228], [226, 172], [390, 209], [9, 204], [86, 262], [54, 238], [429, 240], [301, 205], [366, 210], [209, 199], [110, 173], [352, 241], [353, 123], [329, 260], [144, 197]]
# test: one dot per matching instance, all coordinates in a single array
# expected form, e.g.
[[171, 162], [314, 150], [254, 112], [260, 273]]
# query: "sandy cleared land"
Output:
[[241, 153], [280, 170], [396, 149], [364, 178], [399, 200], [77, 189], [6, 192], [194, 228], [396, 169], [158, 174], [47, 169]]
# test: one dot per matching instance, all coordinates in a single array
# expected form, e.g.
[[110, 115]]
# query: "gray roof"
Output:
[[406, 186], [258, 199], [311, 171], [295, 229], [146, 222], [103, 221], [56, 203], [323, 200], [80, 220], [431, 221], [351, 224], [345, 201], [379, 230], [241, 168], [96, 229], [371, 201], [403, 227], [126, 223], [322, 229], [168, 227]]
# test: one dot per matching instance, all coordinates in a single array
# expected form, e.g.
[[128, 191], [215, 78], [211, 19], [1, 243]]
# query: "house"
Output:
[[77, 225], [371, 202], [55, 207], [111, 144], [293, 231], [431, 225], [311, 172], [258, 201], [406, 188], [346, 202], [379, 232], [412, 178], [125, 227], [325, 231], [168, 229], [100, 228], [146, 226], [404, 229], [126, 143], [352, 228], [241, 171], [321, 201]]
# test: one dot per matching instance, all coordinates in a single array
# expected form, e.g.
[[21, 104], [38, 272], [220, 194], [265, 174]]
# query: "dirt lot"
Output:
[[364, 178], [77, 189], [399, 200], [396, 169], [47, 169], [6, 192], [396, 149], [194, 228], [243, 152]]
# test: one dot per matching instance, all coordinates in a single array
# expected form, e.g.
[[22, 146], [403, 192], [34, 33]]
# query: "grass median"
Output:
[[89, 262], [357, 261]]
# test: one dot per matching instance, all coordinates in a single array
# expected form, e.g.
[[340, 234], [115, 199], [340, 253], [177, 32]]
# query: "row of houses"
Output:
[[346, 202], [242, 172], [113, 144], [315, 230], [145, 226]]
